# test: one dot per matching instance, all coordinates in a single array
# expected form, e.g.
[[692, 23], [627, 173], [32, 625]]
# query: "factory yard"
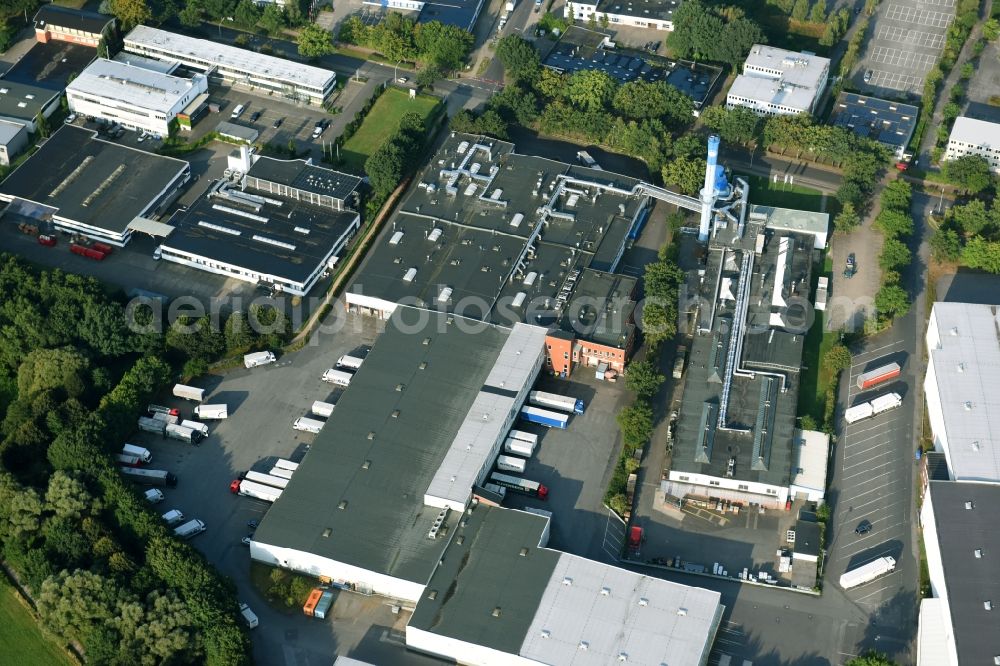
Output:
[[383, 123]]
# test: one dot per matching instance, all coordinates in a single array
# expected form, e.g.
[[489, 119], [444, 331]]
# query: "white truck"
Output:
[[524, 437], [183, 433], [195, 425], [249, 616], [173, 517], [139, 451], [563, 403], [153, 495], [876, 406], [337, 377], [324, 409], [858, 412], [189, 392], [149, 477], [510, 5], [211, 411], [190, 529], [307, 424], [511, 464], [257, 359], [281, 473], [349, 362], [147, 424], [266, 479], [520, 447], [259, 491], [125, 459], [867, 572]]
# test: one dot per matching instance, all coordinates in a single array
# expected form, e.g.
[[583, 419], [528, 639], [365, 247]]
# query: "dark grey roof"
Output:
[[76, 19], [643, 9], [891, 123], [970, 581], [459, 13], [601, 308], [384, 524], [92, 181], [937, 466], [24, 101], [807, 537], [309, 230], [483, 569], [304, 176], [50, 65]]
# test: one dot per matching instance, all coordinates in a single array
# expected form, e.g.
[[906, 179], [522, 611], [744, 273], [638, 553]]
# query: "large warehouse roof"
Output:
[[136, 86], [964, 360], [364, 479], [92, 181]]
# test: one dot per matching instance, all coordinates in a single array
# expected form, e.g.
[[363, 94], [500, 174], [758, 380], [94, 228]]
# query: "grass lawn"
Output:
[[765, 192], [814, 379], [23, 642], [381, 123]]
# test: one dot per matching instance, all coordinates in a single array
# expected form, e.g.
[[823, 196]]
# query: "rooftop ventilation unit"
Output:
[[444, 295], [396, 237], [217, 227], [410, 274], [434, 234], [271, 241]]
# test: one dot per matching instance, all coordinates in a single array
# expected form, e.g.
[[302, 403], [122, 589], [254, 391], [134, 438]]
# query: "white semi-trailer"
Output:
[[350, 362], [259, 491], [324, 409], [139, 451], [149, 477], [563, 403], [266, 479], [212, 411], [878, 405], [307, 424], [286, 464], [189, 392], [147, 424], [518, 447], [281, 473], [337, 377], [868, 572], [524, 437], [511, 464], [183, 433]]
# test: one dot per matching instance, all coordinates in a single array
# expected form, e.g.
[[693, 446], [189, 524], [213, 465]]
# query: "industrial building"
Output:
[[246, 70], [810, 456], [778, 82], [888, 122], [654, 14], [24, 103], [970, 136], [13, 139], [959, 624], [805, 222], [133, 96], [736, 436], [459, 13], [64, 24], [375, 509], [493, 235], [962, 389], [84, 185], [282, 226]]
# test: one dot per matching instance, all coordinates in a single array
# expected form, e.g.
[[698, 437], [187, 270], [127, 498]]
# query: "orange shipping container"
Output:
[[311, 602]]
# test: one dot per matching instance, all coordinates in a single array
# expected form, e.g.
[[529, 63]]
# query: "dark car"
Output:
[[852, 267], [255, 117], [325, 123], [252, 524], [864, 528], [277, 123]]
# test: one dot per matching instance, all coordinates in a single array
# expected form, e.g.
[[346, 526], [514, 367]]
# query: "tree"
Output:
[[991, 29], [492, 124], [520, 59], [590, 89], [894, 255], [131, 13], [75, 605], [190, 15], [847, 219], [850, 193], [970, 172], [736, 40], [945, 245], [688, 174], [800, 10], [314, 41], [24, 512], [972, 218], [551, 84], [239, 336], [43, 369], [247, 14], [441, 45], [67, 496], [736, 125], [640, 99], [894, 223], [643, 379], [636, 424], [273, 20], [871, 659], [891, 301], [982, 254], [837, 359], [897, 195], [384, 168], [818, 12]]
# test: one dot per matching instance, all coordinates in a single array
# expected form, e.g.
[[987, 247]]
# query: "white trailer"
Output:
[[524, 437], [183, 433], [257, 359], [337, 377], [211, 411], [281, 473], [139, 451], [324, 409], [286, 464], [196, 425], [307, 424], [867, 573], [858, 412], [190, 529], [153, 495], [351, 362], [563, 403], [189, 392], [259, 491], [511, 464], [266, 479], [152, 425], [884, 403], [126, 459], [520, 447]]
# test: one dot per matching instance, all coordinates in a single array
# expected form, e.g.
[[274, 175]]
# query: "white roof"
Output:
[[776, 76], [975, 132], [136, 86], [488, 417], [810, 453], [614, 611], [966, 368], [136, 60], [265, 66], [935, 648], [9, 130]]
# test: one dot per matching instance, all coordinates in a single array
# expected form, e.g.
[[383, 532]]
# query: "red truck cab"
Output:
[[46, 240], [234, 487], [635, 537]]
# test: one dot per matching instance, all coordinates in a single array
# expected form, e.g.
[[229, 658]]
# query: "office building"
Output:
[[65, 24], [970, 136], [653, 14], [888, 122], [778, 82]]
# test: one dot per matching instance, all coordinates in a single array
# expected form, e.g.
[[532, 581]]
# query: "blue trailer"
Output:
[[545, 417]]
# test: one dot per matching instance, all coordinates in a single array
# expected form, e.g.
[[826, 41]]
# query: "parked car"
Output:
[[852, 266], [868, 76], [277, 123], [864, 528], [70, 119], [252, 524], [255, 116]]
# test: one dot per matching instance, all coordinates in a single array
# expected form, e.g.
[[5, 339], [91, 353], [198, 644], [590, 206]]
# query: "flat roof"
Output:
[[264, 232], [136, 60], [92, 181], [882, 120], [24, 101], [136, 86], [459, 13], [807, 538], [9, 130], [662, 10], [810, 457], [966, 369], [477, 221], [788, 78], [50, 65], [67, 17], [970, 580], [976, 132], [601, 308], [304, 175], [367, 456], [790, 219], [265, 66]]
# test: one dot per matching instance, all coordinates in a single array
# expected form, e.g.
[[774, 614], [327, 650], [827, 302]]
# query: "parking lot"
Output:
[[905, 41]]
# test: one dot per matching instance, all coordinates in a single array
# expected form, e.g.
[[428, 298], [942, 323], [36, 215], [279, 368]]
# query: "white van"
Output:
[[139, 451], [173, 517], [258, 358], [238, 111], [307, 424], [197, 426], [248, 616], [337, 377], [153, 495], [349, 362], [190, 529]]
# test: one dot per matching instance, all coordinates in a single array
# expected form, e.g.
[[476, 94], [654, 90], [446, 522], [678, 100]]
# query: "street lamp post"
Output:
[[395, 71], [941, 201]]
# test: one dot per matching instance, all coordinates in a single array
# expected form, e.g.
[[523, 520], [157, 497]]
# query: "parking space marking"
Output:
[[939, 3], [878, 351], [859, 507], [925, 17], [872, 594], [897, 58], [873, 425], [891, 33], [873, 490], [868, 469], [894, 80]]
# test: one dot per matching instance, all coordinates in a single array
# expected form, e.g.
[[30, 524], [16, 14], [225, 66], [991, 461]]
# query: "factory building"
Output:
[[133, 96], [64, 24], [84, 185], [243, 69]]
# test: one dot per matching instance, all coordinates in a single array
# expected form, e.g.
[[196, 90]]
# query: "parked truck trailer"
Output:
[[140, 451], [149, 477], [337, 377], [878, 375], [865, 410], [545, 417], [190, 529], [524, 437], [286, 464], [511, 464], [867, 572], [518, 447], [196, 426], [323, 409], [189, 392], [259, 491], [307, 424], [183, 433], [281, 473], [212, 411], [126, 459], [266, 479], [147, 424], [350, 362], [516, 483], [563, 403]]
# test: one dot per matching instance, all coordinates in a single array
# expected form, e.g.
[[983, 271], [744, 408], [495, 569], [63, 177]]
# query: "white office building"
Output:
[[975, 137], [247, 70], [135, 97], [777, 82], [653, 14]]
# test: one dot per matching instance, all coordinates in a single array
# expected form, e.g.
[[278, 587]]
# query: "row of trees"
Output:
[[970, 235], [191, 13], [396, 158], [896, 224], [722, 34]]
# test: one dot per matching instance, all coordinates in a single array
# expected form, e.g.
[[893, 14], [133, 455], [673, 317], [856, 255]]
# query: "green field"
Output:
[[20, 637], [765, 192], [381, 123]]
